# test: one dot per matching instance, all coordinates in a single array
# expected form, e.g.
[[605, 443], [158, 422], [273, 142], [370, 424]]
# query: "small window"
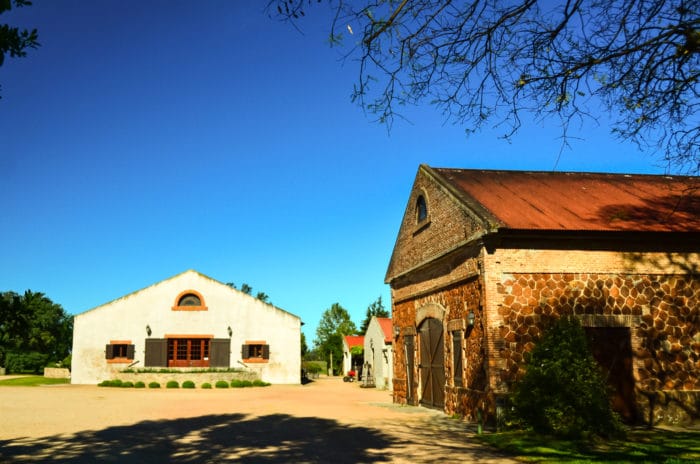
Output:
[[421, 209], [255, 352], [119, 351], [189, 300], [457, 358]]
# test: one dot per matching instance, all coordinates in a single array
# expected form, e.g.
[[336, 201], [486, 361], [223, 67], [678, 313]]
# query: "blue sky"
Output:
[[143, 139]]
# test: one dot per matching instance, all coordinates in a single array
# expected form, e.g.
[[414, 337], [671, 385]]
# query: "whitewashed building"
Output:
[[378, 352], [189, 321], [352, 361]]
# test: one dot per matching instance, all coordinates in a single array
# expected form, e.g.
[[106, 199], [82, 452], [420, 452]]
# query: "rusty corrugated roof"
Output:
[[581, 201]]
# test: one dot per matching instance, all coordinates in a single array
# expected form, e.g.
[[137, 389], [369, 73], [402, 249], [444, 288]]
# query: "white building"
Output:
[[378, 354], [184, 322], [352, 361]]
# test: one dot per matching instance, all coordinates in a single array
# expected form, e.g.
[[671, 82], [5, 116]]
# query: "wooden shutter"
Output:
[[130, 351], [245, 352], [457, 358], [109, 352], [156, 352], [266, 351], [220, 352]]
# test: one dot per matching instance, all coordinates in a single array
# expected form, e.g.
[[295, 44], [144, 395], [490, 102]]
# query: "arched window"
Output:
[[421, 209], [189, 300]]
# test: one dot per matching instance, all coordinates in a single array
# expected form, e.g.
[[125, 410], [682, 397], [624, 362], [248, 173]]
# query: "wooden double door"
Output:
[[432, 363]]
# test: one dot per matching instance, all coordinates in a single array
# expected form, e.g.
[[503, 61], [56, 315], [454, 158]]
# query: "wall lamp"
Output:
[[148, 330], [471, 317], [230, 332]]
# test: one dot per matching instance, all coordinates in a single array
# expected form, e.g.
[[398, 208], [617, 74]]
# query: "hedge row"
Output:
[[185, 384]]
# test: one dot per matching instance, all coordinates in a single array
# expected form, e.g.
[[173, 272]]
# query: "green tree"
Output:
[[374, 309], [335, 323], [13, 40], [563, 392], [304, 346], [262, 296], [34, 331], [247, 289], [489, 61]]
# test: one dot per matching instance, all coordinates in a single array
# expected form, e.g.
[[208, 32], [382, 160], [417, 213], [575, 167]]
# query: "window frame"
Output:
[[178, 307], [120, 351], [457, 358], [262, 351], [186, 346]]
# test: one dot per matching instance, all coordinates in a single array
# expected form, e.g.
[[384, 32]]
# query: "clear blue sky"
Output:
[[143, 139]]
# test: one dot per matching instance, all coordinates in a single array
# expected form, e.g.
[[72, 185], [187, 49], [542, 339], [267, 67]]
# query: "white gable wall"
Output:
[[378, 355], [126, 319]]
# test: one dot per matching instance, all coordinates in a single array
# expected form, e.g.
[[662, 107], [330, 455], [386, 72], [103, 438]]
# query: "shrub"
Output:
[[188, 384], [563, 392], [221, 384], [206, 385], [154, 385], [139, 384], [172, 384], [241, 383], [127, 384], [22, 363], [116, 383], [105, 383], [260, 383]]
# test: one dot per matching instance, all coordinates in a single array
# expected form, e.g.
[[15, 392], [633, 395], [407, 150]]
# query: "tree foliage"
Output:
[[563, 392], [489, 61], [335, 323], [15, 41], [374, 309], [34, 331]]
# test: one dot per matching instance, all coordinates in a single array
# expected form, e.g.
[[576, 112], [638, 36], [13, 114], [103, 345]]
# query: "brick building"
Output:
[[485, 260]]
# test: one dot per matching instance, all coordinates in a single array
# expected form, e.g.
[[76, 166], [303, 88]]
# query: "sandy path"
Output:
[[324, 421]]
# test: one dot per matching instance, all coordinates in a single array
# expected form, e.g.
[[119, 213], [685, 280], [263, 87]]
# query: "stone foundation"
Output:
[[197, 378]]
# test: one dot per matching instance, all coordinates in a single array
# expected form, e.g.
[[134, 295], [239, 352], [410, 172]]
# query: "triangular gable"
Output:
[[354, 340], [387, 328], [451, 221]]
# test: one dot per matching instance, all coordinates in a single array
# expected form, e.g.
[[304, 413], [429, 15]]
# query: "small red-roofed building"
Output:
[[378, 365], [485, 261], [352, 354]]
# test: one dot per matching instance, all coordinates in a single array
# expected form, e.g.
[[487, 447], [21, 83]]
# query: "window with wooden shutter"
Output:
[[156, 352], [256, 351], [119, 351], [220, 352], [457, 358]]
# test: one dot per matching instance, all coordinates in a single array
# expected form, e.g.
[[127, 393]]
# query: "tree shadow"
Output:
[[277, 438], [678, 212]]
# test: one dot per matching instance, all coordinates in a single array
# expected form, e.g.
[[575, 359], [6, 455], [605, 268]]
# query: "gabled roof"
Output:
[[577, 201], [385, 324], [355, 340]]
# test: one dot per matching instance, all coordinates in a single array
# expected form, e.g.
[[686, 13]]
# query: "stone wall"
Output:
[[56, 373], [660, 310], [197, 378]]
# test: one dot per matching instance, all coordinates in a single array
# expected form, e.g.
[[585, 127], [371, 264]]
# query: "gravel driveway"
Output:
[[324, 421]]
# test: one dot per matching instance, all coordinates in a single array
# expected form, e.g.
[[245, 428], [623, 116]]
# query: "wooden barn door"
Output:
[[432, 364], [612, 348]]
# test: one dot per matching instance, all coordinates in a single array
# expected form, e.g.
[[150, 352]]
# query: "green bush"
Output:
[[116, 383], [221, 384], [154, 385], [260, 383], [32, 362], [172, 384], [241, 383], [314, 367], [139, 384], [206, 385], [188, 384], [105, 383], [127, 384], [563, 392]]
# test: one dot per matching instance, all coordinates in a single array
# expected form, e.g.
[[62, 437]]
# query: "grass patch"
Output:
[[640, 445], [32, 381]]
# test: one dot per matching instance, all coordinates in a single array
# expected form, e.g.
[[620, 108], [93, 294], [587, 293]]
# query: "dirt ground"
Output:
[[324, 421]]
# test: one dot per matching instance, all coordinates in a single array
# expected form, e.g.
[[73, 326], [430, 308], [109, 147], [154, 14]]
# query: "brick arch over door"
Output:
[[433, 310]]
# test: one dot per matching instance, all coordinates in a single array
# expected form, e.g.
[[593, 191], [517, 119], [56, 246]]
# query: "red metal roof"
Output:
[[355, 340], [581, 201], [385, 324]]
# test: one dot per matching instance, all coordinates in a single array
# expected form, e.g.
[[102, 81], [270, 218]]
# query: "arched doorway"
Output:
[[432, 363]]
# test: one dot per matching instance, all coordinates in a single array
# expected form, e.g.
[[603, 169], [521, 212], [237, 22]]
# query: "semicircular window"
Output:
[[189, 299]]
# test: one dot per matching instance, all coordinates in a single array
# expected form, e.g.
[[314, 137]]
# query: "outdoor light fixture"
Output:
[[470, 319], [397, 331], [148, 330], [230, 332]]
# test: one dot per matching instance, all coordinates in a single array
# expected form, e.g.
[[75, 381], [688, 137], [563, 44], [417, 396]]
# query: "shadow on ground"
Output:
[[215, 438]]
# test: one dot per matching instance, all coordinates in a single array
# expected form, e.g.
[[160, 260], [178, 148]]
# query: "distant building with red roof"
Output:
[[350, 361], [378, 362], [485, 261]]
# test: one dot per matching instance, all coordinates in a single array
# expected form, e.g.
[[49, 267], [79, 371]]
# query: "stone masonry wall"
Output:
[[661, 311]]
